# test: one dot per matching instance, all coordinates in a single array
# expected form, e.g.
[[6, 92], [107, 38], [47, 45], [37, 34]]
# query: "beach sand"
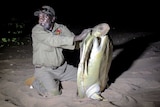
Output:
[[134, 76]]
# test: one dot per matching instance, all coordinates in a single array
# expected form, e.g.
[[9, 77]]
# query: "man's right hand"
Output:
[[83, 34]]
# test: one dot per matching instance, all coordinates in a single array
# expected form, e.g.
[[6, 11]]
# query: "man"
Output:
[[49, 39]]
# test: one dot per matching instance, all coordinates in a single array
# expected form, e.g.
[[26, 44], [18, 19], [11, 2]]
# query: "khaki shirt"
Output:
[[48, 45]]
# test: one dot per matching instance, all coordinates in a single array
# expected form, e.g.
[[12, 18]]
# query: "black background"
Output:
[[119, 14]]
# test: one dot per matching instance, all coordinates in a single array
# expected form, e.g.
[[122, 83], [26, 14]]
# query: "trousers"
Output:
[[48, 80]]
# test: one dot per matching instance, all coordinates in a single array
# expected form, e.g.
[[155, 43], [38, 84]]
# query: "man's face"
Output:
[[45, 20]]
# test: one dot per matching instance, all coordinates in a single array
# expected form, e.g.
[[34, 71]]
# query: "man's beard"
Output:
[[46, 26]]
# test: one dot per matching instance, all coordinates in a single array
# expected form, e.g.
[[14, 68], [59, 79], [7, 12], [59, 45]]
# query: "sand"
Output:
[[134, 76]]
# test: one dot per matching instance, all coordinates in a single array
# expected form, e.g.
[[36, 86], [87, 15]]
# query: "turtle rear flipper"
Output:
[[97, 96]]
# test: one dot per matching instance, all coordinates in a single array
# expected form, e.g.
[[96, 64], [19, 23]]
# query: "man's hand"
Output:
[[82, 35]]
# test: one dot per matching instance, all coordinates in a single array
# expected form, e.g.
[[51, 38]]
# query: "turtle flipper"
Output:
[[97, 96]]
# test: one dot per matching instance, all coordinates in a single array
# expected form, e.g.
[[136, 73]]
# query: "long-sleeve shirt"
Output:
[[48, 45]]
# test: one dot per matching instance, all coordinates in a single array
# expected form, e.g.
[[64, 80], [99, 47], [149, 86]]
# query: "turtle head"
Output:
[[100, 29]]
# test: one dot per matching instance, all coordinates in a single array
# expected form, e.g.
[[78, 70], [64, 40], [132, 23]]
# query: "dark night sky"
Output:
[[128, 14]]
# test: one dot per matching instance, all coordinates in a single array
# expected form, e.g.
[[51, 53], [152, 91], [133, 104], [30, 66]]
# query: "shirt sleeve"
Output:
[[50, 39]]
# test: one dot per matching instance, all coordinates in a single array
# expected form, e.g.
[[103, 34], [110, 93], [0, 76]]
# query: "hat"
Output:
[[45, 9]]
